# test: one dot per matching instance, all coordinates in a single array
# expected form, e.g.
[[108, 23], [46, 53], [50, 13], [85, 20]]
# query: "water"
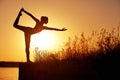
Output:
[[8, 73]]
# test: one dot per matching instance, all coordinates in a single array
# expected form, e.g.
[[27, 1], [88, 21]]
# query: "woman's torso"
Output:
[[38, 28]]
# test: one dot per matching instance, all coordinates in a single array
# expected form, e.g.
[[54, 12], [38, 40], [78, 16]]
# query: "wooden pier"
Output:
[[52, 71]]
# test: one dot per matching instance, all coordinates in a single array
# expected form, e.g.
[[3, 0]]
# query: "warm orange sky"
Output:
[[76, 15]]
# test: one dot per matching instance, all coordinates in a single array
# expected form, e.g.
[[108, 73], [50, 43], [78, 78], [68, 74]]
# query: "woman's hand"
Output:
[[63, 29], [22, 9]]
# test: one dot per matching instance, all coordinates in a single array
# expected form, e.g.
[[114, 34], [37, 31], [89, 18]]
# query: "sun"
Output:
[[43, 40]]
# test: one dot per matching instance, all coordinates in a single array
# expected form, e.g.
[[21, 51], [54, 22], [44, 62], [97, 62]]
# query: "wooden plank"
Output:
[[10, 64]]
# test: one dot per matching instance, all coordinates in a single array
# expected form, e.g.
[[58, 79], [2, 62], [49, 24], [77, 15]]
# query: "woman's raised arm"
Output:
[[34, 18]]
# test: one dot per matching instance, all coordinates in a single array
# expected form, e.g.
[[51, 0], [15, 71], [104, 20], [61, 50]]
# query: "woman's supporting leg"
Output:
[[27, 43]]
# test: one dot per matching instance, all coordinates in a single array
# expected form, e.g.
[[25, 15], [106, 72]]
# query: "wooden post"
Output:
[[25, 72]]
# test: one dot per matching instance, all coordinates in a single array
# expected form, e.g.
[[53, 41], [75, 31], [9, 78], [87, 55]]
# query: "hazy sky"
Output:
[[75, 15]]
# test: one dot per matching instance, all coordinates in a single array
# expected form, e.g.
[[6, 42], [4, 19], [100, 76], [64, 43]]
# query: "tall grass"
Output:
[[95, 55], [80, 47]]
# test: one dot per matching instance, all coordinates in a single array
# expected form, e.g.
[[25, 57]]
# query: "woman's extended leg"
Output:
[[27, 31], [23, 28], [17, 19]]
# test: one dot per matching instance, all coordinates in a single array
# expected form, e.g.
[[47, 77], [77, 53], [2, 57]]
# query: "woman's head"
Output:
[[44, 19]]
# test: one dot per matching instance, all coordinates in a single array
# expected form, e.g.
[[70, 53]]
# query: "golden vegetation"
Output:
[[97, 56], [80, 47]]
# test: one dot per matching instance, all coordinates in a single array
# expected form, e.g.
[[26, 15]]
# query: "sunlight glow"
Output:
[[43, 40]]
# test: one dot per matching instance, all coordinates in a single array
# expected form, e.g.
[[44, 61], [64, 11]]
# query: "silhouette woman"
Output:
[[28, 31]]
